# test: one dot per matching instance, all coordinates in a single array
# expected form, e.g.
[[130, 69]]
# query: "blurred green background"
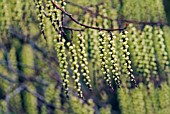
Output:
[[30, 79]]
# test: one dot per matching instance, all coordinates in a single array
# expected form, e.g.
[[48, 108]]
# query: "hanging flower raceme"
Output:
[[103, 58], [113, 58], [150, 51], [75, 67], [59, 46], [126, 60], [17, 11], [135, 47], [94, 52], [4, 19], [161, 48], [50, 9], [82, 55], [54, 15], [41, 16]]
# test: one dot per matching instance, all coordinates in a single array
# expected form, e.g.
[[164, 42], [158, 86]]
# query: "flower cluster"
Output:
[[125, 101], [54, 15], [160, 48], [82, 55], [41, 16], [79, 107], [75, 67], [113, 58], [94, 52], [103, 58], [143, 100], [154, 13], [4, 19], [17, 11], [163, 96], [59, 46], [125, 56], [138, 99], [150, 50], [135, 48]]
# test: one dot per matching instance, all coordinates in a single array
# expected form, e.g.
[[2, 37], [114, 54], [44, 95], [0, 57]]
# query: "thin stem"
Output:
[[81, 24]]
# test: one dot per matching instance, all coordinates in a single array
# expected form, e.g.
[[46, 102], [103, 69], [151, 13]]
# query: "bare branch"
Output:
[[81, 24]]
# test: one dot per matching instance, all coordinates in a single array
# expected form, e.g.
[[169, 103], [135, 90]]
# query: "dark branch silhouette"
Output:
[[81, 24]]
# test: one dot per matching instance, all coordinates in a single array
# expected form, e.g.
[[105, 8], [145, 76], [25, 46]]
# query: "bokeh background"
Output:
[[30, 79]]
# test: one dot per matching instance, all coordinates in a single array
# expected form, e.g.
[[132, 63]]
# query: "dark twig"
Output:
[[81, 24]]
